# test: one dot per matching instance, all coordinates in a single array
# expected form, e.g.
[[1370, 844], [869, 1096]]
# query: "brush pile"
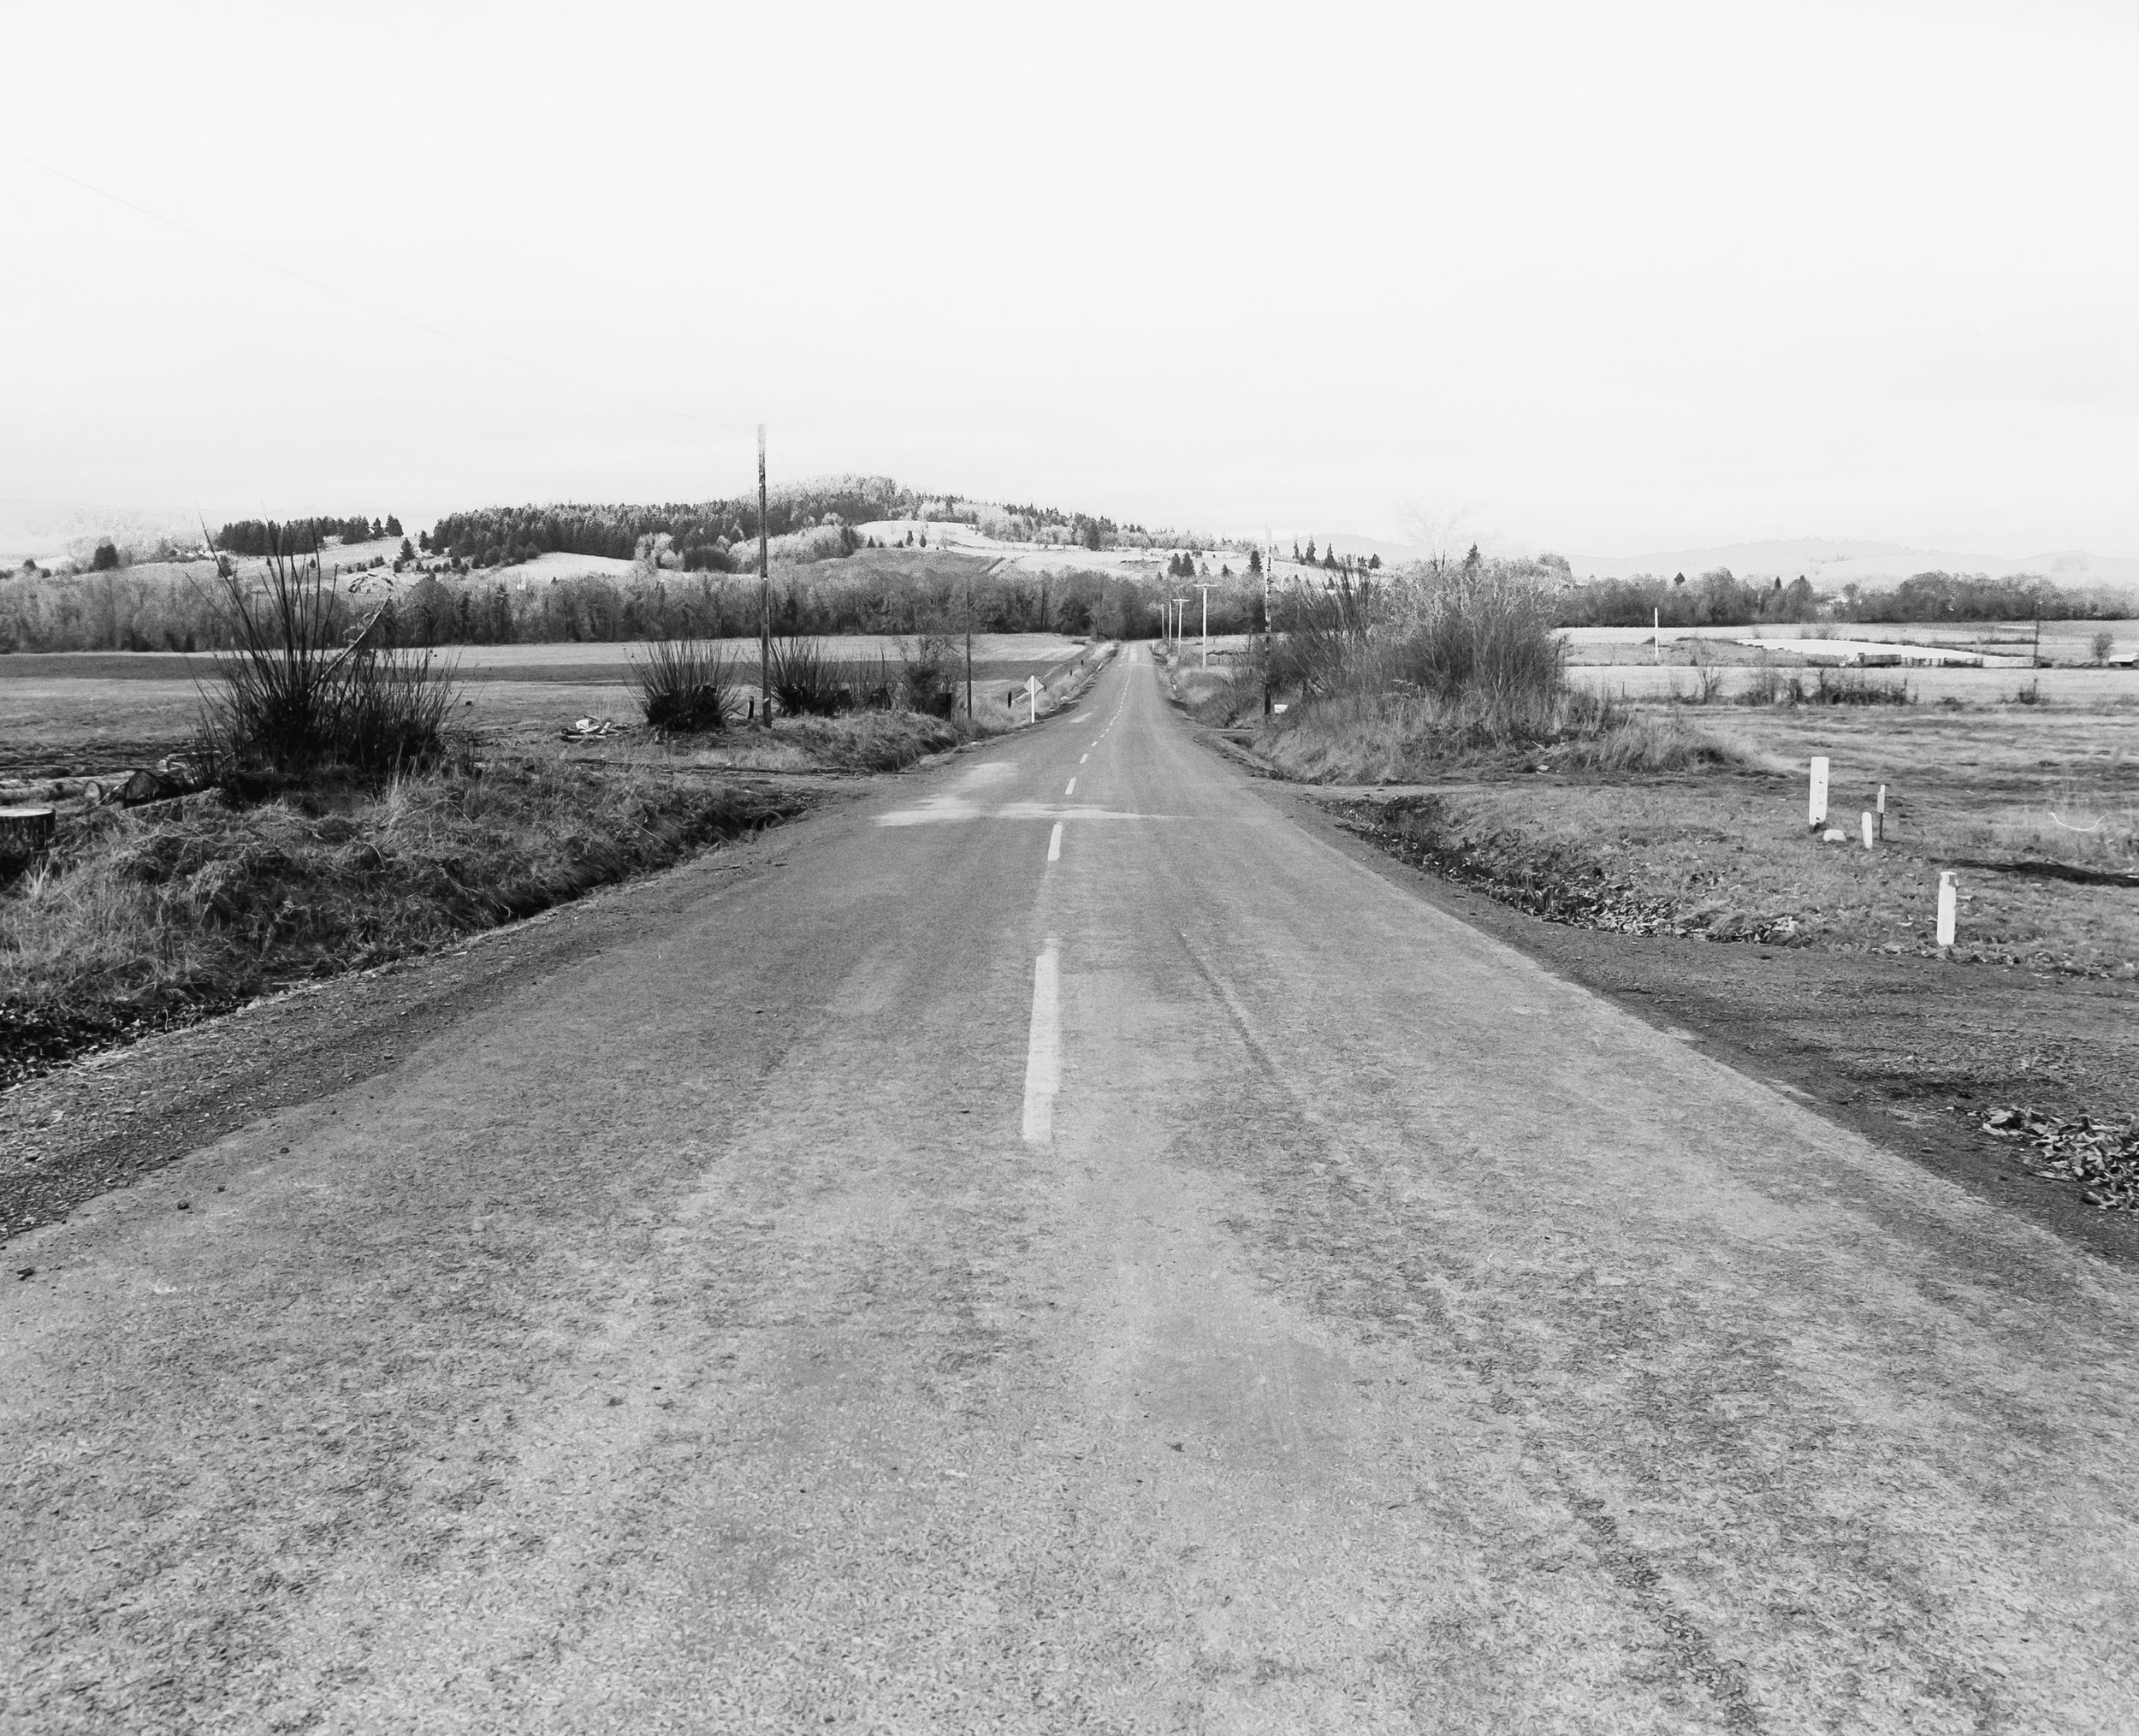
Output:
[[2102, 1156]]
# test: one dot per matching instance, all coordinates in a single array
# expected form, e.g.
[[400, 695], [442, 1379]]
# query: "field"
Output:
[[72, 713]]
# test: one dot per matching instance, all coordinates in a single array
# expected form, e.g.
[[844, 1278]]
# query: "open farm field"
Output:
[[2107, 691], [78, 712], [2062, 641]]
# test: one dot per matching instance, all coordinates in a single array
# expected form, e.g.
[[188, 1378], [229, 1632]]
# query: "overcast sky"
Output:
[[1600, 278]]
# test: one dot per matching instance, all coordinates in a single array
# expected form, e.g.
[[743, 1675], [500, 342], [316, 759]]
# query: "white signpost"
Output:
[[1818, 815], [1031, 696]]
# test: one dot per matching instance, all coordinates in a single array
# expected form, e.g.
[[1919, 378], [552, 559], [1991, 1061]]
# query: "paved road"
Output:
[[1157, 1275]]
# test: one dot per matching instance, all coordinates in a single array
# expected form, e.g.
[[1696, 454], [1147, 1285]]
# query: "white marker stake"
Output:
[[1054, 843], [1031, 696], [1882, 813], [1946, 902], [1868, 828], [1818, 814], [1043, 1048]]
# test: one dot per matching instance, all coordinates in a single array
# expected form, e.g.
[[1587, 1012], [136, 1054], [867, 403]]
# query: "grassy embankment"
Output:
[[145, 919]]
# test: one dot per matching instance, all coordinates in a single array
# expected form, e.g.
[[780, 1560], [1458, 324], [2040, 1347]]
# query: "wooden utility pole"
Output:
[[1205, 590], [968, 642], [1268, 558], [764, 596]]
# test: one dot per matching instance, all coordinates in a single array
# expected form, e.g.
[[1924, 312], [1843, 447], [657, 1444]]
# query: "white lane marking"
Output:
[[1081, 758], [1054, 843], [1016, 812], [1072, 790], [1043, 1048]]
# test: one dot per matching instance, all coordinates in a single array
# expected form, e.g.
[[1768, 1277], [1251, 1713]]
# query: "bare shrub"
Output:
[[806, 682], [302, 692], [686, 686]]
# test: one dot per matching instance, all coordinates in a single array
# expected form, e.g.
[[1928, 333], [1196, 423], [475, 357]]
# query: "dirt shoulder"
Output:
[[1902, 1051]]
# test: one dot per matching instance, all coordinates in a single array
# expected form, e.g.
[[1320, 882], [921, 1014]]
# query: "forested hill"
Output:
[[494, 534], [698, 530]]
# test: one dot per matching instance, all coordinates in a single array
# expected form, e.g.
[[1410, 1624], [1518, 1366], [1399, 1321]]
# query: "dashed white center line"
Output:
[[1072, 790], [1054, 843], [1081, 758], [1043, 1048]]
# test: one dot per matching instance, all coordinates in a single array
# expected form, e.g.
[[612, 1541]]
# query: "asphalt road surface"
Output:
[[1014, 1255]]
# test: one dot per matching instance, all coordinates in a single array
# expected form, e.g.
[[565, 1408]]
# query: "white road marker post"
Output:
[[1032, 697], [1868, 828], [1882, 813], [1817, 811], [1948, 901]]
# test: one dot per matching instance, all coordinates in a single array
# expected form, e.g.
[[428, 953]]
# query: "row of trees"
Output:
[[1716, 599], [257, 537], [120, 611], [1719, 598], [126, 609]]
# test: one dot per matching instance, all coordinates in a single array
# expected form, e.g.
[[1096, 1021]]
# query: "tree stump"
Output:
[[26, 831]]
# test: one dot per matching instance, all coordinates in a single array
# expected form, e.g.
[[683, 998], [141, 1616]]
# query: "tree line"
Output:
[[257, 537], [1719, 598]]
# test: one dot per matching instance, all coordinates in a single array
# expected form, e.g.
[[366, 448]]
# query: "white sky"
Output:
[[1603, 278]]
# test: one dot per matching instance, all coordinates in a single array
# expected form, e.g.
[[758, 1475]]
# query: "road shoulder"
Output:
[[1833, 1031]]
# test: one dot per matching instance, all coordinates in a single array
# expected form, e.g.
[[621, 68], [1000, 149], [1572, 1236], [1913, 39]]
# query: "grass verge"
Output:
[[1728, 859], [144, 921], [1410, 738]]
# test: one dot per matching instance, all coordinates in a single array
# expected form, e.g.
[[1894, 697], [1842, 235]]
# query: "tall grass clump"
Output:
[[301, 691], [807, 682], [687, 686]]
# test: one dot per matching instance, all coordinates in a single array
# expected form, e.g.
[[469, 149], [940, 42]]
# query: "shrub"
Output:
[[106, 559], [806, 682], [926, 674], [293, 697], [686, 686]]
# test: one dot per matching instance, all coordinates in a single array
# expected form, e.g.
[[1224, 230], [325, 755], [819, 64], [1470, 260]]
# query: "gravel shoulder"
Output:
[[1905, 1051]]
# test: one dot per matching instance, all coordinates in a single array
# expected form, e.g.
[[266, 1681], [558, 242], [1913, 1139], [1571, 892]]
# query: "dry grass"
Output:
[[1730, 858], [1406, 738], [141, 920]]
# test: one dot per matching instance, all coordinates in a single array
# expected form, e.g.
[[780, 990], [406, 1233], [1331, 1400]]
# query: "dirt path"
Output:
[[1058, 1255]]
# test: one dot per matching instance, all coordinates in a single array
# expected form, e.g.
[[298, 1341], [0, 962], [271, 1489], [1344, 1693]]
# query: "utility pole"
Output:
[[1181, 607], [1267, 558], [764, 596], [969, 643], [1205, 590]]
